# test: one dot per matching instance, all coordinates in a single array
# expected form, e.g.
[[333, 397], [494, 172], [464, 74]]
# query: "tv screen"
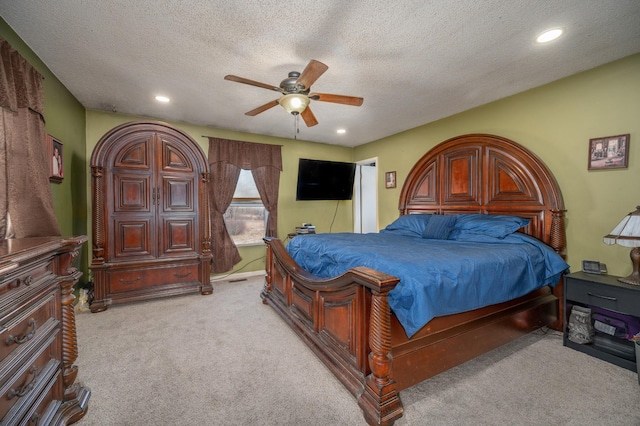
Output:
[[325, 180]]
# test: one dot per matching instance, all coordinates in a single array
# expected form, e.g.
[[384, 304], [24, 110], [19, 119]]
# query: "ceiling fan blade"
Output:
[[252, 82], [311, 73], [262, 108], [336, 99], [308, 117]]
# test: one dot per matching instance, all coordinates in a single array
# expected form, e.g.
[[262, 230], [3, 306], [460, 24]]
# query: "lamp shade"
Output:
[[627, 232], [294, 103]]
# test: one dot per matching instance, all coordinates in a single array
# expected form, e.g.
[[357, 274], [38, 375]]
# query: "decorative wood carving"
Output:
[[37, 276], [151, 235], [370, 352]]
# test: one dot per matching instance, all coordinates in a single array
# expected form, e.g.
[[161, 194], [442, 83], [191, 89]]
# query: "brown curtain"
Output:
[[25, 194], [224, 177], [226, 158]]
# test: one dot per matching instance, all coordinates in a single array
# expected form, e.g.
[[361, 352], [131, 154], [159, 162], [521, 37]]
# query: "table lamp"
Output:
[[627, 233]]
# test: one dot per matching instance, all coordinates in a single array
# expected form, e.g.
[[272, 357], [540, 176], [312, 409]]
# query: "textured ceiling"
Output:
[[413, 62]]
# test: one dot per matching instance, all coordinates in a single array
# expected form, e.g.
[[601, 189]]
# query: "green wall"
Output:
[[554, 121], [291, 213]]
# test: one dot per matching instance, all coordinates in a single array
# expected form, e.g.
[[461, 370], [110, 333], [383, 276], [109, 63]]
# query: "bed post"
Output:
[[268, 264], [558, 241], [557, 235], [379, 400]]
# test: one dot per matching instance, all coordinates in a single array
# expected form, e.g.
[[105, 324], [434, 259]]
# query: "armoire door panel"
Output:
[[131, 193], [133, 237], [178, 195], [178, 236], [135, 155], [173, 159]]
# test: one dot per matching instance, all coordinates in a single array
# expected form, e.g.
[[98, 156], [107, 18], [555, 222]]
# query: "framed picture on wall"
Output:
[[390, 180], [610, 152], [56, 163]]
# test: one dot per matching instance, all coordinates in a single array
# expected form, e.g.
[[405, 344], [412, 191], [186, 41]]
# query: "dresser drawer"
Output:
[[616, 298], [45, 407], [36, 276], [24, 278], [123, 280], [34, 372], [28, 324]]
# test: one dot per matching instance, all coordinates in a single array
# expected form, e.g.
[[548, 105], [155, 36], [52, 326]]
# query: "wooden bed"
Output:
[[347, 321]]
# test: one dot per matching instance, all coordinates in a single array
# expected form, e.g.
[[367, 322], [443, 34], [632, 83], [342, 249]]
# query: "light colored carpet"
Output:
[[227, 359]]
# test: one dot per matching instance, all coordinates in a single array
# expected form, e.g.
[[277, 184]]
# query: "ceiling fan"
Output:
[[295, 92]]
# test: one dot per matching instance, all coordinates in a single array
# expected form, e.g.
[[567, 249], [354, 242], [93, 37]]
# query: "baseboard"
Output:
[[236, 276]]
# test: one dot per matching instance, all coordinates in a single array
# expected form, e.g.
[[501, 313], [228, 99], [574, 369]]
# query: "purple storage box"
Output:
[[615, 324]]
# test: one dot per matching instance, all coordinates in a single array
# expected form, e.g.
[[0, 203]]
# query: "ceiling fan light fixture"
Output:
[[294, 103]]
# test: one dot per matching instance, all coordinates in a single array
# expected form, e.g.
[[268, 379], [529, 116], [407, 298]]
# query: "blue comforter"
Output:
[[437, 277]]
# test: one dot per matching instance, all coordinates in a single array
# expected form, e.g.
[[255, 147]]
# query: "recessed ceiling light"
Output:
[[341, 131], [549, 35], [162, 99]]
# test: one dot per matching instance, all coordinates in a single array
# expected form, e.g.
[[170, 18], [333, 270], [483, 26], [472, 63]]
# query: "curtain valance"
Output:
[[20, 83], [245, 155]]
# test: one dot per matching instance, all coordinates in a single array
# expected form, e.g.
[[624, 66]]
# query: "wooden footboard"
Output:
[[346, 321], [348, 324]]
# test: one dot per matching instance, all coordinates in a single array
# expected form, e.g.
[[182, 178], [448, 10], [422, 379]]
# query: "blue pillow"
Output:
[[439, 227], [496, 225], [409, 224]]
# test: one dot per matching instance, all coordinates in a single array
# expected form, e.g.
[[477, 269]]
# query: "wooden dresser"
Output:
[[38, 333], [151, 234]]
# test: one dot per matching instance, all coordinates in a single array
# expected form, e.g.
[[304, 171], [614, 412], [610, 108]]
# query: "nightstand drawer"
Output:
[[613, 298], [603, 291]]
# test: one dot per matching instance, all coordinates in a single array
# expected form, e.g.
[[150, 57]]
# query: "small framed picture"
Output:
[[56, 162], [390, 180], [610, 152]]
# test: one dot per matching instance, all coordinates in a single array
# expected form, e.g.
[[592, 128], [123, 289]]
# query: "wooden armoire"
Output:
[[151, 235]]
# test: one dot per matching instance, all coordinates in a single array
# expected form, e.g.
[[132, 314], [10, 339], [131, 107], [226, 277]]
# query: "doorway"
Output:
[[365, 197]]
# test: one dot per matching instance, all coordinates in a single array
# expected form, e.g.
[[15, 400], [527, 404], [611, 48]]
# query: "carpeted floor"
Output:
[[227, 359]]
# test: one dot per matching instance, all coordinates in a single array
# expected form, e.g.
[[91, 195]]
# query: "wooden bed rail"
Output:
[[372, 381]]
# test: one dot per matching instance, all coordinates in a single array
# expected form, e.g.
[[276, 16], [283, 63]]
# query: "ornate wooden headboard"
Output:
[[487, 174]]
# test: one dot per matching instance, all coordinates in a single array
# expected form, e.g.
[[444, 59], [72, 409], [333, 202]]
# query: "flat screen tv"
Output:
[[325, 180]]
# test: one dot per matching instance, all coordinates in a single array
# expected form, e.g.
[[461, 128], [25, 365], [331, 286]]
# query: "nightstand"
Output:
[[603, 291]]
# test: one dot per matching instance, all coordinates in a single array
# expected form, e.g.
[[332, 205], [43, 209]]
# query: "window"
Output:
[[246, 217]]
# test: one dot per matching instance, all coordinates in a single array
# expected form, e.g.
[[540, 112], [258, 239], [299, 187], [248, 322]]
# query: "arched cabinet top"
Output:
[[108, 149]]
